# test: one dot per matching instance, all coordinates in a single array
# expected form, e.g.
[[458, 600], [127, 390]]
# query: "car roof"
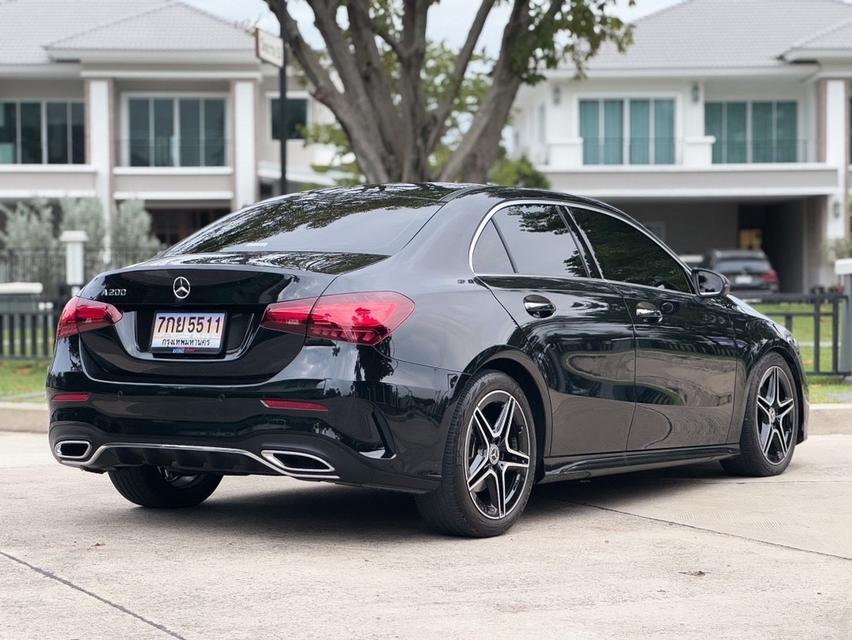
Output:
[[739, 253], [443, 192]]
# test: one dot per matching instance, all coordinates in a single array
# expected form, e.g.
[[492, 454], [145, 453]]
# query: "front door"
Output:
[[578, 330], [685, 364]]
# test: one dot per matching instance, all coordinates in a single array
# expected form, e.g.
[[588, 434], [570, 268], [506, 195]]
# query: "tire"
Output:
[[475, 450], [770, 428], [155, 488]]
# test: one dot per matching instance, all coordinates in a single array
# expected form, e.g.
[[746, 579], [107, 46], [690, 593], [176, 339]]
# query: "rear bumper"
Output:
[[292, 455], [384, 431]]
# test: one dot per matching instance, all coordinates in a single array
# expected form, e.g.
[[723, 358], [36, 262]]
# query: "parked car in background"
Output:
[[749, 271]]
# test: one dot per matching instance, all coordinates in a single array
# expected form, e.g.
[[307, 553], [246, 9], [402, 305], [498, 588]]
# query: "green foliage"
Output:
[[30, 226], [86, 214], [576, 32], [30, 239], [130, 232], [518, 173]]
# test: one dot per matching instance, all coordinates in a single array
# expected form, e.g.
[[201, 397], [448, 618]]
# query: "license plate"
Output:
[[188, 333], [742, 279]]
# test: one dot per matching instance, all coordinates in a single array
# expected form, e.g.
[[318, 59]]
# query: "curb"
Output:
[[24, 416]]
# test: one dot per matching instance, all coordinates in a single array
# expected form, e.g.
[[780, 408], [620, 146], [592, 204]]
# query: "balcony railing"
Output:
[[755, 151], [173, 152], [634, 151]]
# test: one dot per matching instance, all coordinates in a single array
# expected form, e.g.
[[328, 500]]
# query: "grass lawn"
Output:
[[803, 329], [22, 381]]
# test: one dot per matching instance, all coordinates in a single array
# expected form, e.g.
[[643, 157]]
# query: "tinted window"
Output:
[[539, 242], [626, 254], [489, 254], [352, 221]]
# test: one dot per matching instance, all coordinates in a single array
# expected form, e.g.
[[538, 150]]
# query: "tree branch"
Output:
[[437, 124], [480, 145]]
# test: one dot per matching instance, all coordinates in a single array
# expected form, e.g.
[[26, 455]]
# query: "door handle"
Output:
[[539, 306], [648, 313]]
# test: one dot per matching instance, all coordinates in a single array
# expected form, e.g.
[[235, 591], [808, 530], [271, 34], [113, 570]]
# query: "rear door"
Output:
[[577, 329], [685, 364]]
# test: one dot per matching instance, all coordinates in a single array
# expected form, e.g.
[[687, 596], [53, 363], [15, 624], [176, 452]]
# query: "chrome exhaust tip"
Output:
[[298, 463], [72, 449]]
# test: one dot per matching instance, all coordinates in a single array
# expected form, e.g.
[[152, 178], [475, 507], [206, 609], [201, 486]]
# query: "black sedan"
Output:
[[457, 342]]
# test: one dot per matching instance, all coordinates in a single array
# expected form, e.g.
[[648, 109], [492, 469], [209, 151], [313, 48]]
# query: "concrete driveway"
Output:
[[686, 553]]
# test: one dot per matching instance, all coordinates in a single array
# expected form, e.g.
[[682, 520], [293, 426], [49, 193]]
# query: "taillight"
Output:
[[770, 276], [362, 318], [81, 315]]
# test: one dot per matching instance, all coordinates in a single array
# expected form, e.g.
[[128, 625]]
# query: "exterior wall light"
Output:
[[696, 92], [557, 95]]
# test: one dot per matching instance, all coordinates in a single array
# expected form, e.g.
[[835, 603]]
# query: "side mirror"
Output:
[[710, 284]]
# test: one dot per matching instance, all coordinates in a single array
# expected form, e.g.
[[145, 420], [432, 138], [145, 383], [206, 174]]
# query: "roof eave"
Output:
[[158, 56], [691, 73], [804, 54]]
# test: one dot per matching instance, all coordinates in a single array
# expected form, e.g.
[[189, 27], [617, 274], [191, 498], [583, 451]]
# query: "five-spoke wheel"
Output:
[[489, 460], [771, 423], [498, 459], [775, 403]]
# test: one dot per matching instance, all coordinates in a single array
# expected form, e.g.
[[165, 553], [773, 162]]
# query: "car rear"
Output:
[[225, 355], [749, 272]]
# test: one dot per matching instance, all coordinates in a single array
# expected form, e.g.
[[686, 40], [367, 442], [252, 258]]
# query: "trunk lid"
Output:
[[236, 288]]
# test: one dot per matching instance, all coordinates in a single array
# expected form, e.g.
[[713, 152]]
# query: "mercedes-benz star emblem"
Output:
[[180, 287]]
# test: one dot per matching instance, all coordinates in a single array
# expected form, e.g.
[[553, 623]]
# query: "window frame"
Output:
[[43, 102], [626, 98], [586, 249], [291, 95], [801, 153], [175, 97]]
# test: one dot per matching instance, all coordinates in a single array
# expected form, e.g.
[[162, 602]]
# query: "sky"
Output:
[[449, 20]]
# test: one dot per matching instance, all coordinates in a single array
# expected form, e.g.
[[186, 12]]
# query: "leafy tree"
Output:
[[86, 214], [397, 97], [29, 227], [518, 173], [30, 243], [130, 232]]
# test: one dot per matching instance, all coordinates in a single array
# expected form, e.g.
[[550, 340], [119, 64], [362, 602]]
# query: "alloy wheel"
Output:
[[775, 426], [497, 450]]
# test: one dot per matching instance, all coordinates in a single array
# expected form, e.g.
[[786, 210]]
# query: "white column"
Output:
[[836, 139], [99, 125], [75, 271], [245, 161]]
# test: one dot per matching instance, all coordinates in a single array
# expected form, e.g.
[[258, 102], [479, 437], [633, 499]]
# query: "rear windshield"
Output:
[[746, 265], [315, 222]]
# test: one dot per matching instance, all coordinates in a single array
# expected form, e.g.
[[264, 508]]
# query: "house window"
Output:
[[176, 132], [42, 132], [297, 118], [760, 131], [635, 131]]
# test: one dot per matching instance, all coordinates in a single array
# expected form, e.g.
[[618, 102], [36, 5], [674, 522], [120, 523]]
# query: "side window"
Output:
[[625, 254], [539, 242], [489, 254]]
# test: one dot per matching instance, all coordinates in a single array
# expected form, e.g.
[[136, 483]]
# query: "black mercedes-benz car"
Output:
[[458, 342]]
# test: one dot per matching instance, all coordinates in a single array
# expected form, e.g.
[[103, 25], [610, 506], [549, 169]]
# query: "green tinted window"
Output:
[[625, 254]]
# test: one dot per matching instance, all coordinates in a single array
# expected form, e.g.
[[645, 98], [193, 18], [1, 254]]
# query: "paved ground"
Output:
[[681, 554]]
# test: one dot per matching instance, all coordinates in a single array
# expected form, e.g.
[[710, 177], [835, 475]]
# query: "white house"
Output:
[[726, 124], [149, 99]]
